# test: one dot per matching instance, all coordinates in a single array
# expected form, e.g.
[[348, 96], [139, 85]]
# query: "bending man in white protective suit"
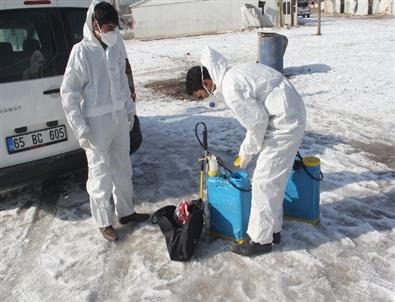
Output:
[[98, 106], [274, 115]]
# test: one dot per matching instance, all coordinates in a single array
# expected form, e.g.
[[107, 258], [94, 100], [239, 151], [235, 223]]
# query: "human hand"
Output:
[[236, 162], [244, 160], [85, 141]]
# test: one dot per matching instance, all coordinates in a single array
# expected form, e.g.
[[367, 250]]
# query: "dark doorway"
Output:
[[342, 6], [370, 7]]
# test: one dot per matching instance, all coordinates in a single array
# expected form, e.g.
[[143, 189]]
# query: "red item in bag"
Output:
[[182, 212]]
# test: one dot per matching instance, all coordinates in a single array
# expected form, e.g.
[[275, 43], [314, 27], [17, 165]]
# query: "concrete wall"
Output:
[[193, 17], [387, 7], [360, 7], [332, 6]]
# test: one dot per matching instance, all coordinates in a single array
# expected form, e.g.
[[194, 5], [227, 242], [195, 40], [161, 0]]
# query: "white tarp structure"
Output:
[[250, 16], [360, 7], [172, 18]]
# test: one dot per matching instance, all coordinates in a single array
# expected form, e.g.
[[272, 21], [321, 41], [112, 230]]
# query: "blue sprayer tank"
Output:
[[229, 206], [302, 194]]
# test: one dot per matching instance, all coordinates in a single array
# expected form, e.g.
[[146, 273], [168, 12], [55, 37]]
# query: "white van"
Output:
[[36, 37], [304, 8]]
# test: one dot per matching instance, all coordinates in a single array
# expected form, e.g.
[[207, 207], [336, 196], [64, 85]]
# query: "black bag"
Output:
[[136, 137], [181, 240]]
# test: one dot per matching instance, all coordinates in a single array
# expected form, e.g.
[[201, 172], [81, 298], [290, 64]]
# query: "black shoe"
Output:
[[276, 238], [250, 248], [135, 217]]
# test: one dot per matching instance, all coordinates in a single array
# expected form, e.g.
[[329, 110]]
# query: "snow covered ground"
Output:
[[52, 251]]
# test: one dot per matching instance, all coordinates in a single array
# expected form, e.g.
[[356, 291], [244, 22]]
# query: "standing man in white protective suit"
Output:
[[98, 106], [274, 115]]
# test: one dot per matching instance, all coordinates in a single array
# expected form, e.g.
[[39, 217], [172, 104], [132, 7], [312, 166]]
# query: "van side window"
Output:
[[74, 20], [27, 48]]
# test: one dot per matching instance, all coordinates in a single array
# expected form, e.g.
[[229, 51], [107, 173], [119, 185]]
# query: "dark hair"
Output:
[[105, 13], [194, 78]]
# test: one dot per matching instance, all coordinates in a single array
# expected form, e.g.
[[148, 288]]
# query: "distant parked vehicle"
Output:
[[304, 9]]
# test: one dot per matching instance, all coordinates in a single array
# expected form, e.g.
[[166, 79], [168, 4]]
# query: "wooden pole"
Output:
[[280, 4], [293, 10], [319, 19]]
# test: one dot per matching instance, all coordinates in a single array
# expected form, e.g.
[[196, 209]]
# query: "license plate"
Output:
[[36, 139]]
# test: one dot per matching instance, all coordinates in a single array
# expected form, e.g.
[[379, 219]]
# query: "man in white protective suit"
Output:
[[273, 113], [98, 105]]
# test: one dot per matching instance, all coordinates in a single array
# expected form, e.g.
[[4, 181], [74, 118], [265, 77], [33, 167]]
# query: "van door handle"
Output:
[[52, 91]]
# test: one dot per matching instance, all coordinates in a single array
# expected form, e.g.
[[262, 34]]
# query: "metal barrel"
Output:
[[271, 49]]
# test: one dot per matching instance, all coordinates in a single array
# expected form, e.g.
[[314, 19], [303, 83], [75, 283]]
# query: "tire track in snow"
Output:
[[26, 275], [110, 284]]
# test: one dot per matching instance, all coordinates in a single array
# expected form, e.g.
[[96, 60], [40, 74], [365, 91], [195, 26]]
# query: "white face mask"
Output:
[[211, 97], [109, 38]]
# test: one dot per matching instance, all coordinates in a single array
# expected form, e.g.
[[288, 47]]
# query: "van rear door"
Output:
[[33, 56]]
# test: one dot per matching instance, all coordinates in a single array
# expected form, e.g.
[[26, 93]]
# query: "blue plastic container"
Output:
[[229, 207], [302, 195]]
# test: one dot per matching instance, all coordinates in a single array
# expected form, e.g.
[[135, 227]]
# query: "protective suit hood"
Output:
[[88, 27], [217, 66]]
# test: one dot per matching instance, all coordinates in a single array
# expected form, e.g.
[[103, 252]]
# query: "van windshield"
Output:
[[302, 4]]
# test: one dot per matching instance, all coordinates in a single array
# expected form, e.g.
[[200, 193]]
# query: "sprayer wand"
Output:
[[203, 159]]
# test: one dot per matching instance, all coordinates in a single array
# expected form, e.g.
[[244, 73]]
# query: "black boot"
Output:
[[251, 248], [276, 238]]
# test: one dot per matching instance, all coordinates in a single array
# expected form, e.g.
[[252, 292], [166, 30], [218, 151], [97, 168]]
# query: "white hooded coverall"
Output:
[[97, 102], [273, 113]]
